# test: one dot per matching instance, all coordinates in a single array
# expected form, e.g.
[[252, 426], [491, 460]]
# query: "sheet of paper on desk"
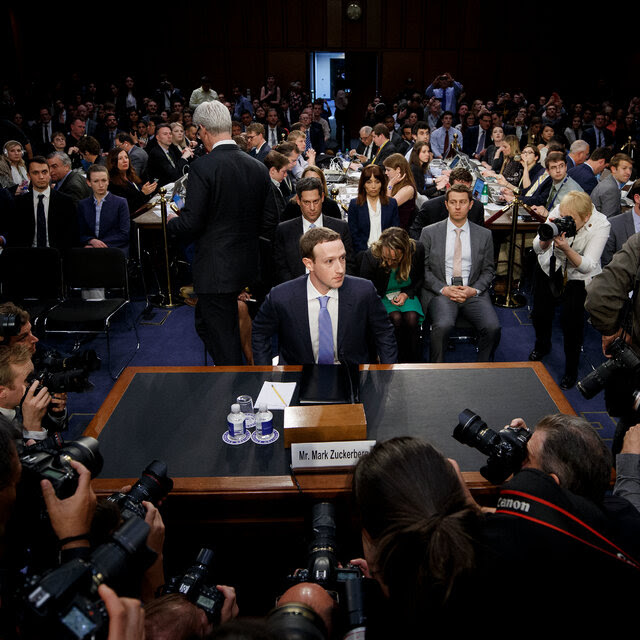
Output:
[[277, 395]]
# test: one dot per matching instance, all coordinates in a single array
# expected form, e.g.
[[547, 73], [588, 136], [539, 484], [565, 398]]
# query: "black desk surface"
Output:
[[179, 414]]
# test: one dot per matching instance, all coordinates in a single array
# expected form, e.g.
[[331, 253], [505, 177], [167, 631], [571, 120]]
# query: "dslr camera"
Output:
[[153, 486], [553, 228], [623, 359], [64, 602], [196, 585], [506, 448], [49, 460], [69, 374]]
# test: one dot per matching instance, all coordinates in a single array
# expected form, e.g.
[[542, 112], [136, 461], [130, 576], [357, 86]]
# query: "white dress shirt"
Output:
[[465, 239], [313, 305], [45, 201], [375, 222]]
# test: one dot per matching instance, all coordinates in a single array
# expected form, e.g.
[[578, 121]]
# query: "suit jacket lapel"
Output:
[[345, 304], [302, 313], [475, 254]]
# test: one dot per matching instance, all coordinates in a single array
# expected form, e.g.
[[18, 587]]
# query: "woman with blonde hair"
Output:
[[395, 265], [13, 170], [401, 187]]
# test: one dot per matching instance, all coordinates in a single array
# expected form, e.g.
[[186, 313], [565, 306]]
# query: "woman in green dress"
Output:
[[395, 265]]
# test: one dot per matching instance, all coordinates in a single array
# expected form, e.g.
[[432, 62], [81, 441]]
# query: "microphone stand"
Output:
[[163, 210], [511, 299]]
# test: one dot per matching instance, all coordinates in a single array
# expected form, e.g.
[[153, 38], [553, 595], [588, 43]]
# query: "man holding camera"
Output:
[[55, 417], [615, 315]]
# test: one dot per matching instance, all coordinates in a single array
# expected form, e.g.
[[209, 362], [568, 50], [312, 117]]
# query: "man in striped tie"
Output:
[[323, 317]]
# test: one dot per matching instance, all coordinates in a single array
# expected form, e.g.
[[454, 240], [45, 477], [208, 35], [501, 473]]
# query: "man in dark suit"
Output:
[[623, 226], [385, 147], [477, 138], [435, 210], [42, 132], [324, 317], [287, 253], [586, 174], [458, 271], [43, 217], [71, 183], [366, 148], [314, 131], [258, 148], [165, 162], [606, 196], [598, 135], [228, 205], [103, 218], [273, 133]]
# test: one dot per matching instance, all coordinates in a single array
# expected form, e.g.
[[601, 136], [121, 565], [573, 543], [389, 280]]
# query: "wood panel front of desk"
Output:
[[313, 485]]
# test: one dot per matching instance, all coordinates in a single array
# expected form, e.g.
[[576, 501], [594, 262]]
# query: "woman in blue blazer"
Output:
[[373, 210]]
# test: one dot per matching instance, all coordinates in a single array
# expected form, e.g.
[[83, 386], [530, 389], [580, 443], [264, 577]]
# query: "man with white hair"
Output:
[[72, 183], [228, 206], [578, 153]]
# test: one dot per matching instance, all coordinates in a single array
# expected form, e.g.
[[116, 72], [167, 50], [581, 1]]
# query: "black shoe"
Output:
[[567, 382], [536, 355]]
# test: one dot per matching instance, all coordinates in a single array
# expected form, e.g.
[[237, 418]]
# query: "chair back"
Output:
[[96, 269], [30, 273]]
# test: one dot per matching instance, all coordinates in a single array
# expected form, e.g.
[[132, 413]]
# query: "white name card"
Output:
[[322, 455]]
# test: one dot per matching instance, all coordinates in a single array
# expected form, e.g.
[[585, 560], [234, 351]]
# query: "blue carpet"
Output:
[[170, 340]]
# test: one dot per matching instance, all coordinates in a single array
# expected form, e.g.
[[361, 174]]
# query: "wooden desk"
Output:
[[399, 400]]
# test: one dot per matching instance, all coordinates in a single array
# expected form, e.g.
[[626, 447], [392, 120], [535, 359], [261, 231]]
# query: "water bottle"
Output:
[[235, 423], [484, 196], [264, 423], [246, 406]]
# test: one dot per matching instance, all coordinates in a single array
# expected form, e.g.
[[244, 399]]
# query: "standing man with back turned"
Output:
[[227, 204]]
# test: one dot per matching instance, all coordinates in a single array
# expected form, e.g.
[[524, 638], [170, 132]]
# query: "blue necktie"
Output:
[[41, 229], [325, 344]]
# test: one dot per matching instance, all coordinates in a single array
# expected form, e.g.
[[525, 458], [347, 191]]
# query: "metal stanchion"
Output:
[[168, 299]]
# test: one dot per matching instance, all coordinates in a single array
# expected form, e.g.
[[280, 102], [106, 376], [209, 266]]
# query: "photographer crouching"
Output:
[[614, 306], [569, 246]]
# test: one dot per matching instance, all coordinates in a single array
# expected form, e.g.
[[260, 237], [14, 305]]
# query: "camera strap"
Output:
[[546, 514]]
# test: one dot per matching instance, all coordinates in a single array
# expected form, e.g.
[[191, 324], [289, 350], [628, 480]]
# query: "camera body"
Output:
[[194, 585], [66, 375], [46, 461], [153, 486], [507, 448], [553, 228]]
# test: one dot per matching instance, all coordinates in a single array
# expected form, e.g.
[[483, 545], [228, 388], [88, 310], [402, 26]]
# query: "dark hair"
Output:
[[574, 451], [372, 170], [458, 188], [124, 137], [275, 160], [600, 153], [413, 506], [36, 160], [461, 175], [114, 172], [554, 156], [309, 184], [98, 168], [315, 236], [634, 191], [414, 158], [88, 144], [421, 124], [285, 148], [381, 130]]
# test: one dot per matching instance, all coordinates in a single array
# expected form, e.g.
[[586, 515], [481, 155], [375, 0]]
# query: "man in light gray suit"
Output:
[[137, 157], [458, 271], [606, 196], [623, 226]]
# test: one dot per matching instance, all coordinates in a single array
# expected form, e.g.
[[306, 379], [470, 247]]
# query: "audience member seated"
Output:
[[104, 217], [623, 226], [606, 196], [125, 183], [401, 187], [258, 147], [395, 265], [531, 171], [278, 166], [299, 139], [459, 269], [497, 136], [290, 151], [13, 170], [565, 266], [586, 174], [330, 208], [138, 157], [166, 164], [476, 140], [372, 211], [44, 217], [89, 150], [309, 199], [435, 209], [71, 183], [335, 329], [504, 164]]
